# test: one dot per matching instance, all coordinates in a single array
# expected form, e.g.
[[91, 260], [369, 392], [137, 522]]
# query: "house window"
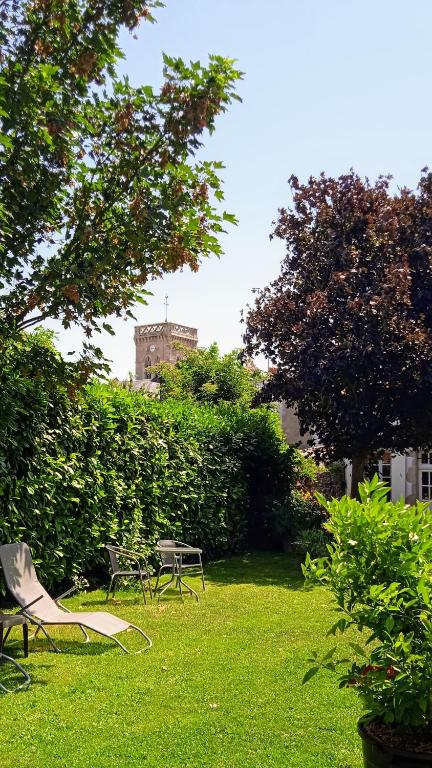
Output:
[[425, 476], [382, 468]]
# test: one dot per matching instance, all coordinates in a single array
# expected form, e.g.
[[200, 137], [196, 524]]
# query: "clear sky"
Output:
[[329, 84]]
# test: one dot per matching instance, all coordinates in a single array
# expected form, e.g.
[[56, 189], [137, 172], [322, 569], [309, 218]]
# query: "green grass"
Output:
[[220, 688]]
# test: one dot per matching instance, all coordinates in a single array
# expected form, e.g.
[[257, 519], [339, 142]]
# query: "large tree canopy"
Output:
[[99, 188], [348, 321]]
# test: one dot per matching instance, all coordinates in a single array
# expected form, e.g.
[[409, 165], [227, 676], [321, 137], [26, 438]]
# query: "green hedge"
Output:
[[80, 470]]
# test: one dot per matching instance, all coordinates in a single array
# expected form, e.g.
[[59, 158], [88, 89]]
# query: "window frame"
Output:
[[425, 468], [378, 467]]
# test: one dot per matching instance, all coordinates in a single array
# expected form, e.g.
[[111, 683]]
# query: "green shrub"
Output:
[[111, 465], [205, 376], [379, 569], [299, 512], [313, 541]]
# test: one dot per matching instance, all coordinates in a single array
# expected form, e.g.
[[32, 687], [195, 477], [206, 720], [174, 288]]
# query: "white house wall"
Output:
[[405, 471], [348, 476]]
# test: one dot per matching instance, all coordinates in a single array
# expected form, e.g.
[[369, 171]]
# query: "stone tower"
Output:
[[154, 344]]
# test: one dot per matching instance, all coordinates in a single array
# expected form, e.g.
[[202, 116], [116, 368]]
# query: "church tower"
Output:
[[155, 343]]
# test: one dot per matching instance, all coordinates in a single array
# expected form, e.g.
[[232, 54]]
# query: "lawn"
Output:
[[220, 688]]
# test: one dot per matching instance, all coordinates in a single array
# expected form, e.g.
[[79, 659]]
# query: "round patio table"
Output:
[[176, 579]]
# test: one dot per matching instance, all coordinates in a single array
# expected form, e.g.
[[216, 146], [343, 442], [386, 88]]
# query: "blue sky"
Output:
[[329, 84]]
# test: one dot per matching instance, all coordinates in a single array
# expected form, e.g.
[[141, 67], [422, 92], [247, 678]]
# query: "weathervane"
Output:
[[166, 307]]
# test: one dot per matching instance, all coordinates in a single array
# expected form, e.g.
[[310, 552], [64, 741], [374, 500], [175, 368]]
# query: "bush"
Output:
[[112, 465], [205, 376], [379, 569], [300, 511], [313, 541]]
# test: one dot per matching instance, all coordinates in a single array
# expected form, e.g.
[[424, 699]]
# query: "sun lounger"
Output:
[[40, 609]]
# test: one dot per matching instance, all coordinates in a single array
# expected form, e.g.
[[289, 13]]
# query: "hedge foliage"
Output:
[[110, 465]]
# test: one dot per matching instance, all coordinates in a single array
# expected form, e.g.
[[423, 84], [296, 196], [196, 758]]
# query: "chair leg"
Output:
[[143, 587], [202, 573], [87, 639], [109, 588], [150, 586], [46, 633], [25, 639], [161, 570], [114, 586], [1, 639], [131, 626], [157, 580]]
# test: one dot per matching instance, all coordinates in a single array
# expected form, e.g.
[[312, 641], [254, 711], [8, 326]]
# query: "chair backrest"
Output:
[[112, 552], [22, 581], [166, 558]]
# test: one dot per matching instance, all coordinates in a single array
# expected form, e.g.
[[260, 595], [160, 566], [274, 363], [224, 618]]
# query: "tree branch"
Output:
[[31, 321]]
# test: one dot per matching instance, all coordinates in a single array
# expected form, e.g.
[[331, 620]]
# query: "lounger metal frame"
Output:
[[27, 678], [41, 624]]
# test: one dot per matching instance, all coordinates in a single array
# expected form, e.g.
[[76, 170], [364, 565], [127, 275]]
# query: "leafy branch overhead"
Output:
[[100, 188]]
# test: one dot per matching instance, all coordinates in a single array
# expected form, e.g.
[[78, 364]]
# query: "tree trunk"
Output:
[[358, 466]]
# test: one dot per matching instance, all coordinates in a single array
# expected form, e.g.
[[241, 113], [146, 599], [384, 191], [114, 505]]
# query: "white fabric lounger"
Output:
[[40, 609]]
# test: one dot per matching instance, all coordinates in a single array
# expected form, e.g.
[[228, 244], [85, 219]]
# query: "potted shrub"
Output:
[[379, 570]]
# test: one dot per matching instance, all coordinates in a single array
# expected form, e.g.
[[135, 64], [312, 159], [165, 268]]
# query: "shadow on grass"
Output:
[[132, 599], [261, 568], [65, 645], [79, 648], [128, 600]]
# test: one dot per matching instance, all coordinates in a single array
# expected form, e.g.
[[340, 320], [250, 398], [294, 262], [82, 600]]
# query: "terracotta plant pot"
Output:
[[377, 754]]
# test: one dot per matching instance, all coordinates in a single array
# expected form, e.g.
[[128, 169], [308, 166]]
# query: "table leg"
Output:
[[179, 575], [177, 579], [192, 591], [25, 639], [168, 584], [183, 583]]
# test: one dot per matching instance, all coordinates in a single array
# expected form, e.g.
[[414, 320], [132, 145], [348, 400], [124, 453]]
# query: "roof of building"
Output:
[[167, 329]]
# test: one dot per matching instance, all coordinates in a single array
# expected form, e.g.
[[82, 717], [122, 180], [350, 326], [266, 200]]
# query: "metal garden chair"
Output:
[[141, 571]]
